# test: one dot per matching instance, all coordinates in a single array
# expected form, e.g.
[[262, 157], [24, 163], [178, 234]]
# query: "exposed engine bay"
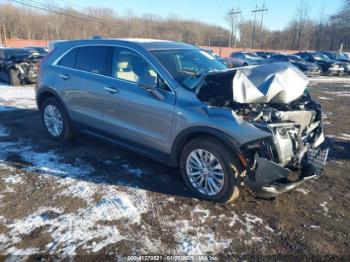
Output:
[[294, 127], [265, 97]]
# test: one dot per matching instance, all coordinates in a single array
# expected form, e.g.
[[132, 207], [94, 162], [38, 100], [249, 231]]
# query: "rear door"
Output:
[[82, 73]]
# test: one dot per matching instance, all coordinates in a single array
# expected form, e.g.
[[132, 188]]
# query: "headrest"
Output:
[[123, 62]]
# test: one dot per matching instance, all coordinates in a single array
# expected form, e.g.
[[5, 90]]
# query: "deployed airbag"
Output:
[[277, 83], [280, 82]]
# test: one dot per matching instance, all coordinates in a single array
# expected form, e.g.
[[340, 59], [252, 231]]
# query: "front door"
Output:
[[132, 112]]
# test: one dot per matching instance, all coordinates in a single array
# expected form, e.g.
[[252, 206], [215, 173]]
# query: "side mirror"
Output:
[[152, 88]]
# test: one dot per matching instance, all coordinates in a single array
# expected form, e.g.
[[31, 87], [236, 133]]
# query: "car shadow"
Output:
[[110, 164], [338, 149]]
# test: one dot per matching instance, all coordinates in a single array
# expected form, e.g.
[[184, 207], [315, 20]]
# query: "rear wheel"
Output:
[[55, 120], [210, 169], [13, 77]]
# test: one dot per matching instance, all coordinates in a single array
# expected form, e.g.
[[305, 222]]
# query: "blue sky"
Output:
[[212, 11]]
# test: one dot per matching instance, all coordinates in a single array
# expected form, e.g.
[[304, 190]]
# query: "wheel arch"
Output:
[[194, 132], [46, 92]]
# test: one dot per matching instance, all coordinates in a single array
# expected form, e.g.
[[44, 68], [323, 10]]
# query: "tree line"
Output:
[[44, 21]]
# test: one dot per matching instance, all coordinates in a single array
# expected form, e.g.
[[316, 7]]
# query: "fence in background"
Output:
[[222, 51], [226, 51], [23, 43]]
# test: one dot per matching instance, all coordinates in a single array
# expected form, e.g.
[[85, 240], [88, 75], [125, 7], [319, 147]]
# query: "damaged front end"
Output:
[[273, 98], [292, 154]]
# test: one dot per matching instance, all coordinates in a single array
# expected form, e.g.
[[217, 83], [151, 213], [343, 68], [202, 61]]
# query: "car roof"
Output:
[[149, 44]]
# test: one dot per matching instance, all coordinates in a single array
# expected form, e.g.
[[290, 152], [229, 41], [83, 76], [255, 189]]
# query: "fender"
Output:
[[43, 92], [186, 135]]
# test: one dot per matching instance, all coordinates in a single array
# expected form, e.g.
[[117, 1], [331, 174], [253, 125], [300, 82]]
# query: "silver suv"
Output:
[[177, 104]]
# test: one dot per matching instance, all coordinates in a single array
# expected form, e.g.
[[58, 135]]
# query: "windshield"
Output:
[[321, 57], [294, 58], [251, 55], [187, 65]]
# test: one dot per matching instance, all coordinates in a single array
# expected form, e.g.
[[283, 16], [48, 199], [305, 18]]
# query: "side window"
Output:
[[129, 66], [93, 59], [69, 59]]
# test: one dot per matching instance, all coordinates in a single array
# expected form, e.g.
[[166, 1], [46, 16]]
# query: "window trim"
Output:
[[56, 61]]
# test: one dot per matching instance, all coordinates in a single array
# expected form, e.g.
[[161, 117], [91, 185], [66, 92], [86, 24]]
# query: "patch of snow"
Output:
[[341, 136], [324, 207], [84, 228], [302, 190], [134, 171], [328, 79], [324, 98], [13, 179], [315, 227], [12, 98]]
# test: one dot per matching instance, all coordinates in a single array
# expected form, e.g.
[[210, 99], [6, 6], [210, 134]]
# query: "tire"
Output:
[[13, 78], [245, 64], [230, 165], [66, 132]]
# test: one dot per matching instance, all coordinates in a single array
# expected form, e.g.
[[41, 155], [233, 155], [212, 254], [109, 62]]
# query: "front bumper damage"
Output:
[[271, 179]]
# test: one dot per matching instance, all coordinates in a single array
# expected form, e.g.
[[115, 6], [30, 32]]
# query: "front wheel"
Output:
[[13, 77], [210, 169]]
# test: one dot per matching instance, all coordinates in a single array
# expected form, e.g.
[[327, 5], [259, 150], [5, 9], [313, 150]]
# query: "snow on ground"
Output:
[[332, 79], [341, 136], [12, 98]]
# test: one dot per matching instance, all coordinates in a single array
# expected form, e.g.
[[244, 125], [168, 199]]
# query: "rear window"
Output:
[[93, 59], [69, 59]]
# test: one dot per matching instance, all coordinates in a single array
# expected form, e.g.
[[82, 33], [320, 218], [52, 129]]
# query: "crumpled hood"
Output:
[[275, 83]]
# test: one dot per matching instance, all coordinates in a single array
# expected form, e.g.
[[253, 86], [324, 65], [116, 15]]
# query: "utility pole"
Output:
[[255, 11], [263, 9], [4, 34], [234, 14]]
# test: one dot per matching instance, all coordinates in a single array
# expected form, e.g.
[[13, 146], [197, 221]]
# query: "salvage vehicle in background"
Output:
[[215, 55], [43, 51], [328, 66], [265, 54], [170, 101], [339, 57], [238, 59], [19, 66], [309, 69]]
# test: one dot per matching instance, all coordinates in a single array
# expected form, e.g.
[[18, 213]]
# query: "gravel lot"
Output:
[[91, 198]]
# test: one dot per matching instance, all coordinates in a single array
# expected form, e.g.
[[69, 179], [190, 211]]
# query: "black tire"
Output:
[[227, 159], [67, 131], [13, 77], [245, 64]]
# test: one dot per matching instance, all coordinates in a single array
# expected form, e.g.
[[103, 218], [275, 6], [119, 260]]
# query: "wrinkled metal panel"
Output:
[[278, 83]]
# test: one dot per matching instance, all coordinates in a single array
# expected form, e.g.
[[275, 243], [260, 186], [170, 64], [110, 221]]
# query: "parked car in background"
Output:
[[237, 59], [18, 65], [339, 57], [309, 69], [215, 55], [328, 66], [264, 54], [43, 51], [174, 103]]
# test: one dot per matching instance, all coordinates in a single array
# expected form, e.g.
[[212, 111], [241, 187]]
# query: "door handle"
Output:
[[64, 76], [111, 90]]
